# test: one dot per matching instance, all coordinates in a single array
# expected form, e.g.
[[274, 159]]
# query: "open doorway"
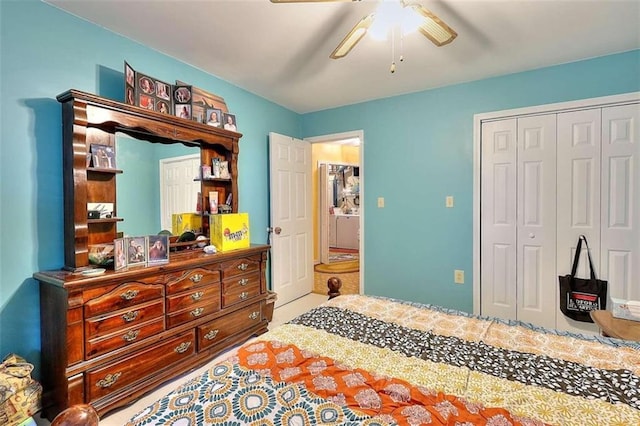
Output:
[[338, 206]]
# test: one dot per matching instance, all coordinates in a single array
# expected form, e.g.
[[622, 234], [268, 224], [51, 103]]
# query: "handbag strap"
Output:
[[576, 258]]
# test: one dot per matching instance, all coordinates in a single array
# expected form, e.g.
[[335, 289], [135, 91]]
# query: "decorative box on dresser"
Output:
[[110, 338]]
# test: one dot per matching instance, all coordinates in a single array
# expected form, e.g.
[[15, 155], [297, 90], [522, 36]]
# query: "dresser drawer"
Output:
[[189, 298], [135, 315], [134, 368], [240, 288], [124, 296], [101, 345], [197, 310], [218, 330], [240, 266], [185, 280]]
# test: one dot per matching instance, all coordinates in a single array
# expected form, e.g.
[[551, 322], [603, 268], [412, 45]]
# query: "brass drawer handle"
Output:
[[131, 335], [243, 281], [243, 266], [129, 294], [109, 380], [244, 295], [254, 315], [211, 335], [197, 295], [130, 316], [182, 347], [196, 278], [197, 312]]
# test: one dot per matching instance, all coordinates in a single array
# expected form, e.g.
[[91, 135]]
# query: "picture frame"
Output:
[[214, 117], [120, 254], [183, 111], [129, 75], [224, 170], [103, 156], [157, 249], [230, 122], [136, 248]]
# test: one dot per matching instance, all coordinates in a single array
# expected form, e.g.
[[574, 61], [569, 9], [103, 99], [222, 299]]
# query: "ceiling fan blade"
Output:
[[310, 1], [433, 27], [354, 36]]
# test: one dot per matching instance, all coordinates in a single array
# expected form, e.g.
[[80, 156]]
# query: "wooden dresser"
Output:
[[110, 338], [107, 340]]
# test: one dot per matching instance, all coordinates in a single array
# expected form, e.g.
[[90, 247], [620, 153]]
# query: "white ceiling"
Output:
[[281, 51]]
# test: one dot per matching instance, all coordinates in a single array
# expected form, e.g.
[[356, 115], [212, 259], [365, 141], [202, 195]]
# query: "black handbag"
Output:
[[579, 296]]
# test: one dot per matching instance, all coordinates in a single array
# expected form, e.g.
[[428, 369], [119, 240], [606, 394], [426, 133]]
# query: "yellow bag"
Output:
[[20, 395]]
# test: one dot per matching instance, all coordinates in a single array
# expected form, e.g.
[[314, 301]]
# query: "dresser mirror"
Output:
[[146, 199]]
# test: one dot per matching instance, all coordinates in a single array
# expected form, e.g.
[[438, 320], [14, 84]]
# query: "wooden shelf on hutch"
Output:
[[108, 339]]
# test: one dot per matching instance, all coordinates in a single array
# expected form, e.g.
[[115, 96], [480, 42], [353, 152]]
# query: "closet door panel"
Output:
[[578, 197], [498, 210], [620, 206], [536, 218]]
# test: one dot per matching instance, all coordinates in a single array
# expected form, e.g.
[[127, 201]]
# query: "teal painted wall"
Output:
[[419, 148], [45, 52]]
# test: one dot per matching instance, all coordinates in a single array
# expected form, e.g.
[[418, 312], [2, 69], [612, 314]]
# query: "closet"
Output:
[[546, 177]]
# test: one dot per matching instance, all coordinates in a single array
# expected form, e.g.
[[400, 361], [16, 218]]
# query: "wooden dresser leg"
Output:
[[334, 284]]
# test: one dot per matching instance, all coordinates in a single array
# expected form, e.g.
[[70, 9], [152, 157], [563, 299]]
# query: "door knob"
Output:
[[277, 230]]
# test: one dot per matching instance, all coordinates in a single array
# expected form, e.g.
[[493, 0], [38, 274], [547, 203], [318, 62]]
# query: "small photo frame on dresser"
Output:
[[157, 249], [136, 249], [120, 254]]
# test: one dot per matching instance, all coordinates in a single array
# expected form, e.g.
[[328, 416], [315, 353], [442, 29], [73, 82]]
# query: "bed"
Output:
[[361, 360]]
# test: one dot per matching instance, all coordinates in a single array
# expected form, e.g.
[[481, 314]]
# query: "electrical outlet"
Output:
[[458, 276], [380, 202], [449, 201]]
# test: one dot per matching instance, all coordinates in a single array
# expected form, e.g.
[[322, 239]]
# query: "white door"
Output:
[[536, 278], [620, 211], [578, 198], [519, 219], [178, 190], [498, 212], [291, 217]]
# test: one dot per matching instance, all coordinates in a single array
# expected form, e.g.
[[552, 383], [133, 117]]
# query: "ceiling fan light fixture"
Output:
[[434, 28], [354, 36]]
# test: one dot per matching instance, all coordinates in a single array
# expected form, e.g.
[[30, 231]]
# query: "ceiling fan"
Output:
[[429, 25]]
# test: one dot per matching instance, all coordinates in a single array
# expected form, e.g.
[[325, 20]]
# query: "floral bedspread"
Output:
[[359, 360]]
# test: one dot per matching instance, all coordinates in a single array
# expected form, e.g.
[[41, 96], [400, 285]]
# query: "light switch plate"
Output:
[[380, 202]]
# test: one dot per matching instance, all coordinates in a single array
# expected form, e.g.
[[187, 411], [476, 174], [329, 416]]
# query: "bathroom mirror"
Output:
[[340, 209]]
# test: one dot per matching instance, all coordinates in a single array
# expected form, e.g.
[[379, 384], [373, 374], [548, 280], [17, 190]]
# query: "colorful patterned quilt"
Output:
[[359, 360]]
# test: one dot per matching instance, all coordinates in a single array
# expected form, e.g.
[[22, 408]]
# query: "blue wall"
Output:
[[421, 152], [45, 52]]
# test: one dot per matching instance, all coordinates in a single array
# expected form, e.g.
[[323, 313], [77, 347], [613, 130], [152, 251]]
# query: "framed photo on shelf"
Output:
[[214, 117], [157, 249], [224, 170], [120, 254], [103, 156], [230, 122], [136, 251]]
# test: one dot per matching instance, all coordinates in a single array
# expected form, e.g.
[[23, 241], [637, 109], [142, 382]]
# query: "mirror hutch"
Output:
[[110, 338]]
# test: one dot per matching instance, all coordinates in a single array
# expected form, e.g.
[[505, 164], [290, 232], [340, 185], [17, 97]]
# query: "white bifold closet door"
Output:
[[519, 219], [545, 180]]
